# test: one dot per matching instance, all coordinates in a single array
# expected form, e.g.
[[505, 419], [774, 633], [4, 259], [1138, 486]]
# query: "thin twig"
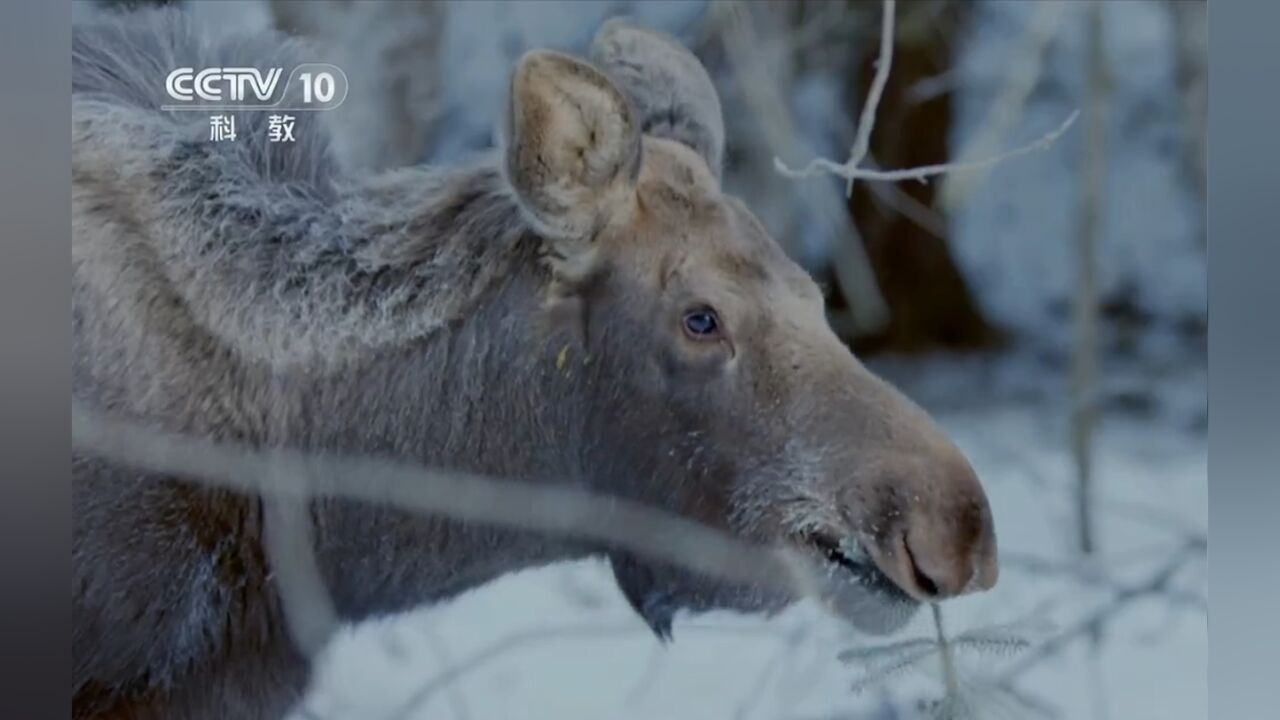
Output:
[[924, 172], [558, 509], [867, 120], [899, 201], [453, 672], [852, 168], [1084, 304], [1088, 572], [534, 636], [287, 539], [288, 542], [1156, 583], [760, 90], [1004, 113], [440, 649]]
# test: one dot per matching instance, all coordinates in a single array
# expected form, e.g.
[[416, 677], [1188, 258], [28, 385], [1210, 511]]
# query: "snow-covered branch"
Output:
[[853, 168], [851, 171], [867, 120]]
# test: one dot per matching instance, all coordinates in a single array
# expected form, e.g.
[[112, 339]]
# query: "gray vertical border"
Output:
[[1244, 358], [35, 301]]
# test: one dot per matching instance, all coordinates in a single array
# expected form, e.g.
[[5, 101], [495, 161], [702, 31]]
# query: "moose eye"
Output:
[[702, 324]]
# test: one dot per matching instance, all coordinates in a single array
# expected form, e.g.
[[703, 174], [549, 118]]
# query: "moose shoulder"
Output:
[[245, 292]]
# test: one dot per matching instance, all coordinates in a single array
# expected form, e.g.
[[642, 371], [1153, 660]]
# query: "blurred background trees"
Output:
[[966, 263]]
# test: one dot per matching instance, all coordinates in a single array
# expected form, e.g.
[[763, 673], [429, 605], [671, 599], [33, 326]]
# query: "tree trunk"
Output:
[[930, 303]]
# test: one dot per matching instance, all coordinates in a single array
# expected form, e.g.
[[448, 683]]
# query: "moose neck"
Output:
[[482, 393], [395, 316]]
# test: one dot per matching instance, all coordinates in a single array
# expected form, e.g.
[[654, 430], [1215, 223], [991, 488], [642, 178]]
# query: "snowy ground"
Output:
[[560, 642]]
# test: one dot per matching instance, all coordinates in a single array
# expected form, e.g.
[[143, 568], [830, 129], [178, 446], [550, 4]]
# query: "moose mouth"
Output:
[[849, 585], [857, 589], [850, 558]]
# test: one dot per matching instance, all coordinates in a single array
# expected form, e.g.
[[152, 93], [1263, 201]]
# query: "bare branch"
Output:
[[1156, 583], [1084, 305], [899, 201], [1087, 571], [867, 120], [868, 310], [924, 172], [852, 168], [534, 636], [1024, 74], [1191, 69], [308, 608], [548, 508], [415, 702], [437, 646]]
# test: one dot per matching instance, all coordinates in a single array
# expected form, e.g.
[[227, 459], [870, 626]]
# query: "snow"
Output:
[[590, 657]]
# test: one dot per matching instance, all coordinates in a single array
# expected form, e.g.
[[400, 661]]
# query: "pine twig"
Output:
[[946, 655], [961, 694]]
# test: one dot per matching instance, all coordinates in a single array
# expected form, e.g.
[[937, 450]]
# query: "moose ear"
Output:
[[670, 89], [573, 149]]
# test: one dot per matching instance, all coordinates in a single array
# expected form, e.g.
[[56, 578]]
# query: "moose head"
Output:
[[708, 380], [591, 309]]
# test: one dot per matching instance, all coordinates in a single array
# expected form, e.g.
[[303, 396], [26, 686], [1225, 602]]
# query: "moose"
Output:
[[584, 306]]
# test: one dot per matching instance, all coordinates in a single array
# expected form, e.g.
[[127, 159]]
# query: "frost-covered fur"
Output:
[[521, 318], [671, 91], [285, 260], [244, 290], [389, 52]]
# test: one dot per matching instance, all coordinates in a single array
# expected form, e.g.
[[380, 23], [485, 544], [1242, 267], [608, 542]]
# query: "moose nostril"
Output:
[[933, 567], [924, 584]]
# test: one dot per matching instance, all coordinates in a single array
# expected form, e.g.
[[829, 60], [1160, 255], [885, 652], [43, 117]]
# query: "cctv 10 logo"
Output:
[[310, 86]]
